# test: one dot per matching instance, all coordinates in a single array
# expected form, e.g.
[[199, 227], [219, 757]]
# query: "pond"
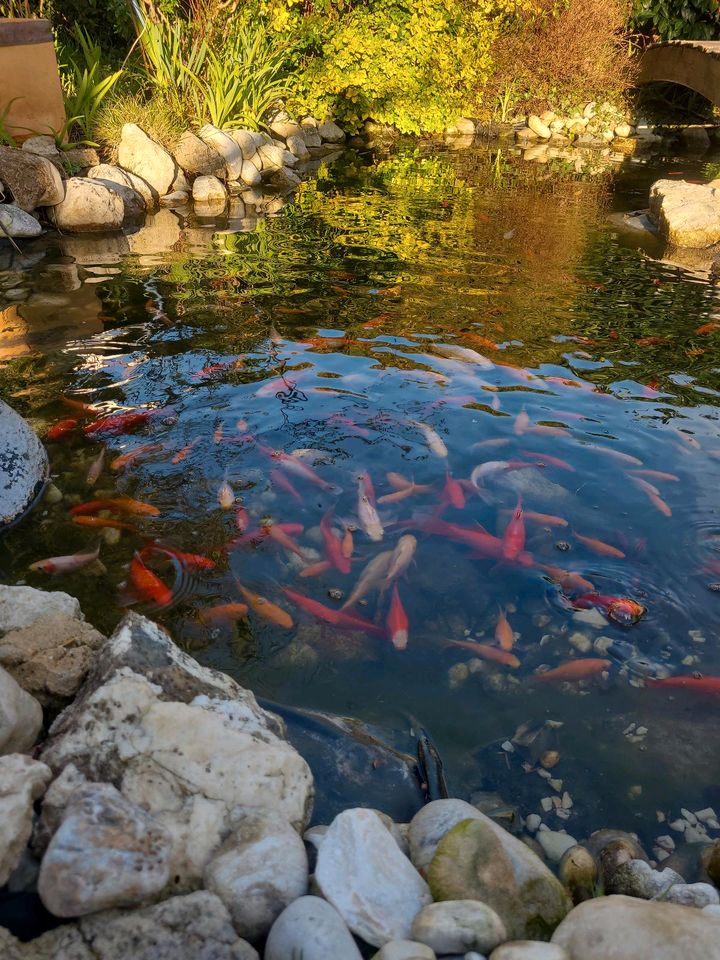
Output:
[[417, 347]]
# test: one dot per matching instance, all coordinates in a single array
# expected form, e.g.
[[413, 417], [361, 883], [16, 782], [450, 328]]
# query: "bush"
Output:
[[678, 19]]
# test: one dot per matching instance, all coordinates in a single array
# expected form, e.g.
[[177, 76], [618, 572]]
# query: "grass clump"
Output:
[[160, 117]]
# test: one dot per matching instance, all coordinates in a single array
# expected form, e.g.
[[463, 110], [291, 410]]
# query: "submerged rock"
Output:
[[456, 926], [260, 869], [624, 928], [478, 860], [312, 929], [686, 214], [22, 782], [23, 469], [362, 872], [107, 853], [636, 878]]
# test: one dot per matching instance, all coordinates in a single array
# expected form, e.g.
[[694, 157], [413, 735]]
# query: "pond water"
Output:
[[408, 317]]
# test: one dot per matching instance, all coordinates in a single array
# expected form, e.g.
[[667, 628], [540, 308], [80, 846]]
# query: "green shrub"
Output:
[[84, 87], [678, 19]]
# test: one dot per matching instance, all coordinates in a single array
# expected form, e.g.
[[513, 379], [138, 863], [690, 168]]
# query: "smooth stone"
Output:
[[248, 141], [555, 844], [297, 146], [578, 873], [271, 157], [33, 181], [431, 823], [623, 130], [88, 207], [258, 871], [478, 860], [195, 156], [107, 852], [462, 127], [228, 149], [686, 214], [330, 132], [311, 929], [455, 926], [538, 127], [177, 198], [404, 950], [364, 875], [51, 657], [624, 928], [141, 155], [250, 174], [81, 158], [21, 717], [529, 950], [209, 190], [15, 222], [115, 174], [22, 606], [43, 146], [22, 782], [636, 878], [133, 203], [23, 472], [617, 841], [310, 133], [693, 895], [286, 128], [285, 179]]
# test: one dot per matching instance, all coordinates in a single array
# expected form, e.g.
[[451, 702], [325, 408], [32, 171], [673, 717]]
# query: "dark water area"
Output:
[[417, 314]]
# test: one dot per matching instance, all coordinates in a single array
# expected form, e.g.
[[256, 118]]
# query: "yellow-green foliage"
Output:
[[415, 64]]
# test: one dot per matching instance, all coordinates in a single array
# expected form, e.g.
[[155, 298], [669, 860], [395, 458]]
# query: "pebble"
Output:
[[533, 822], [581, 642], [404, 950], [693, 894], [529, 950], [706, 815], [454, 926], [312, 929], [555, 844], [52, 494]]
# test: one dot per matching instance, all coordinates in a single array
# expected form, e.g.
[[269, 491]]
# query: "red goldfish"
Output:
[[655, 474], [453, 492], [296, 467], [397, 622], [569, 580], [573, 670], [708, 686], [102, 522], [117, 423], [280, 536], [333, 546], [620, 609], [549, 460], [315, 569], [279, 479], [61, 429], [67, 564], [513, 541], [125, 458], [146, 584], [337, 618], [184, 452], [191, 561], [118, 505]]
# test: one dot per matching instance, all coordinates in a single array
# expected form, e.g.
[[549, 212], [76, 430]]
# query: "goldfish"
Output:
[[117, 504], [708, 686], [397, 622], [569, 580], [465, 354], [398, 495], [504, 632], [333, 546], [549, 460], [616, 454], [191, 561], [548, 519], [453, 492], [432, 439], [67, 564], [264, 608], [87, 409], [707, 328], [483, 543], [295, 466], [315, 569], [372, 577], [522, 422], [573, 670], [349, 424], [655, 474], [486, 652], [622, 610], [126, 458], [225, 496], [242, 519], [657, 501], [102, 522], [491, 467], [95, 469], [61, 429], [367, 514], [494, 442], [347, 545], [147, 585], [279, 479], [398, 482], [597, 546], [117, 423], [219, 433], [401, 557], [285, 540], [184, 451], [337, 618], [513, 541], [223, 611]]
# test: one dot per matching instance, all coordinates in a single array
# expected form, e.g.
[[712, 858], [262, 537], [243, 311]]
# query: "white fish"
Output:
[[487, 469], [401, 557], [68, 564], [367, 514], [465, 354], [432, 438], [226, 495], [95, 469], [371, 577]]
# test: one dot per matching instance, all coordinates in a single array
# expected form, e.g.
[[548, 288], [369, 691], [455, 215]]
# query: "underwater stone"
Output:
[[312, 929], [456, 926]]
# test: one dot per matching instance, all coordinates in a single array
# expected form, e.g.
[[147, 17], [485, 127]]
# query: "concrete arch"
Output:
[[691, 63]]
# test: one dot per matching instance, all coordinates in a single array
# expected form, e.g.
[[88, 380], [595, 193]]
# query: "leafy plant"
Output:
[[6, 137], [84, 87], [678, 19], [505, 100]]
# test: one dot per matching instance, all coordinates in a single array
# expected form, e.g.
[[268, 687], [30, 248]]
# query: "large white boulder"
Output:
[[209, 190], [686, 214], [22, 782], [371, 883], [141, 155], [311, 929], [248, 141], [195, 156], [21, 717], [228, 149], [88, 207], [15, 222], [623, 928], [22, 606], [109, 171]]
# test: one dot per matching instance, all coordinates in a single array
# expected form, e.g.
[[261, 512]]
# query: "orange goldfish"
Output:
[[333, 546], [597, 546], [347, 543], [264, 608], [187, 449], [453, 492], [655, 474], [513, 541], [397, 622], [545, 518], [223, 611], [285, 540], [569, 580], [225, 496], [146, 584], [126, 458], [486, 652], [573, 670], [339, 618], [504, 632], [315, 569], [102, 522]]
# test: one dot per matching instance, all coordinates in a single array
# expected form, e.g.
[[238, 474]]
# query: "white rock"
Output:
[[624, 928], [15, 222], [538, 127], [312, 930], [248, 141], [177, 198], [226, 146], [404, 950], [455, 926], [431, 823], [22, 782], [285, 128], [133, 203], [298, 147], [463, 127], [21, 717], [692, 894], [555, 844], [108, 171], [331, 132], [686, 214], [209, 190], [250, 174], [271, 157], [195, 156], [43, 146], [624, 130], [532, 822], [88, 207], [21, 606], [108, 852], [636, 878], [164, 757], [142, 156], [529, 950], [363, 874], [259, 870]]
